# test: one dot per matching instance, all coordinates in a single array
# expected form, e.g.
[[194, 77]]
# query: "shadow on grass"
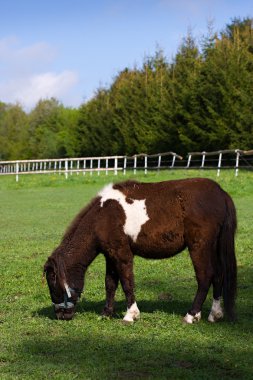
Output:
[[109, 350], [145, 306], [165, 301], [96, 355], [178, 302]]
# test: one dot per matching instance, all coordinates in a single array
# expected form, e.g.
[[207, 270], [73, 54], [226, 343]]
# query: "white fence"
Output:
[[204, 160], [221, 159], [83, 165]]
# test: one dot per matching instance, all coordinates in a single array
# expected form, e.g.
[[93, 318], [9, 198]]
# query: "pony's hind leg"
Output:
[[204, 274], [111, 284], [216, 312]]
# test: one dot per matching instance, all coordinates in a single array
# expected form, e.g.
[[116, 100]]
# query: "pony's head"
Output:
[[63, 296]]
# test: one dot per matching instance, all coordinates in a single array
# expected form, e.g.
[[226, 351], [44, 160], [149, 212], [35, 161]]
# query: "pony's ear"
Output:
[[50, 266]]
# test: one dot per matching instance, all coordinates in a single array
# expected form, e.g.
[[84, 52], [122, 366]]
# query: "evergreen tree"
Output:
[[202, 100], [185, 73]]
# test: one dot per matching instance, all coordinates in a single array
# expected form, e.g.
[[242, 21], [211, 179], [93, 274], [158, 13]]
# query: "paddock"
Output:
[[35, 212]]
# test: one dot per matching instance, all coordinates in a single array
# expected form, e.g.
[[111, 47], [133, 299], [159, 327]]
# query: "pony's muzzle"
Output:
[[64, 311]]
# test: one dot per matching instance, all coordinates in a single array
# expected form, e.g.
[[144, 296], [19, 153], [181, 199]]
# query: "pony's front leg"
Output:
[[111, 284], [125, 270]]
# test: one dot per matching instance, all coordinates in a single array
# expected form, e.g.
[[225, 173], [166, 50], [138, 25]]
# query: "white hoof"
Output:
[[132, 314], [192, 318], [128, 321], [216, 312], [214, 317]]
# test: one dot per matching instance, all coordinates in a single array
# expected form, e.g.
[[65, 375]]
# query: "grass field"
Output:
[[33, 345]]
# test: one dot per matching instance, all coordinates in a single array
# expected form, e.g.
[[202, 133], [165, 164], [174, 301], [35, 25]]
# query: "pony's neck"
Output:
[[74, 262], [78, 247]]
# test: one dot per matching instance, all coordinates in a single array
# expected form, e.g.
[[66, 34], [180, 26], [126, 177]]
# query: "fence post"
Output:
[[219, 165], [125, 165], [135, 164], [159, 162], [17, 170], [203, 159], [106, 166], [189, 161], [237, 162], [66, 169], [99, 166], [146, 164], [84, 166], [173, 161], [91, 166], [115, 165]]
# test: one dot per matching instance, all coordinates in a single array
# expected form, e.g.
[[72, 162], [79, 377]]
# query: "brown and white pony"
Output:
[[154, 221]]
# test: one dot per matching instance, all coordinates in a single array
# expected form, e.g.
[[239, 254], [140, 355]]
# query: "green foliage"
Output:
[[13, 132], [52, 130], [201, 100]]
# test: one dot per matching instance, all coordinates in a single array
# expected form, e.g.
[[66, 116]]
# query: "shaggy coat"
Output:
[[154, 221]]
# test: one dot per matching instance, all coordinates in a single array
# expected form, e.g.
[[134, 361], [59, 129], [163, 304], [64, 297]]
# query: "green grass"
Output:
[[33, 345]]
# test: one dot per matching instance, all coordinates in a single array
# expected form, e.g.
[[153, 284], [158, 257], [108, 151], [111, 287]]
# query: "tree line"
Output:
[[200, 100]]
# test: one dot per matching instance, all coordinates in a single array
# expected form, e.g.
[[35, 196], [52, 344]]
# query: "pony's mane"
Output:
[[58, 256], [74, 224]]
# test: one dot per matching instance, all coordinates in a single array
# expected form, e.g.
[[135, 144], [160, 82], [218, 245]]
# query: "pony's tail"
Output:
[[228, 259]]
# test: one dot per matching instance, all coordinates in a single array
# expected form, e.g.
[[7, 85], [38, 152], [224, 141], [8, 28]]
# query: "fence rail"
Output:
[[90, 165], [204, 160], [221, 159]]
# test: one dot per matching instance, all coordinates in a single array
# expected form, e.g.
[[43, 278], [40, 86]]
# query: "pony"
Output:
[[155, 221]]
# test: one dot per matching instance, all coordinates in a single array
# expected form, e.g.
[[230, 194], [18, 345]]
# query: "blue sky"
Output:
[[68, 49]]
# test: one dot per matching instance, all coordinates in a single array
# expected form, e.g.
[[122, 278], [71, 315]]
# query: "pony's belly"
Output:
[[167, 245], [155, 255]]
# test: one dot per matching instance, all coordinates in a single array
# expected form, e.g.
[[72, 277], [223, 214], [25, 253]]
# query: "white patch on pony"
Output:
[[132, 314], [216, 311], [67, 288], [136, 212], [192, 318]]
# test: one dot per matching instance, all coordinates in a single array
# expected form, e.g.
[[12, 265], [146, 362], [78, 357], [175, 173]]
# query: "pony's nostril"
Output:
[[69, 313], [59, 313], [59, 316]]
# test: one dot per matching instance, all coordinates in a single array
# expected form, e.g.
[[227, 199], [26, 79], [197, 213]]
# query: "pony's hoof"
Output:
[[107, 313], [215, 317], [190, 319], [216, 312], [133, 314], [130, 321]]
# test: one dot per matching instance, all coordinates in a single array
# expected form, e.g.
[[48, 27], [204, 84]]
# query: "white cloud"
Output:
[[26, 74], [30, 90], [14, 54]]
